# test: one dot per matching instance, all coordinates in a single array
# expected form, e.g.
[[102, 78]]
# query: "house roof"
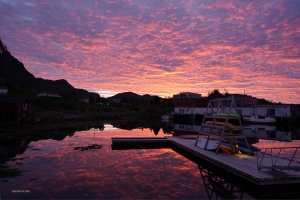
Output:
[[12, 99]]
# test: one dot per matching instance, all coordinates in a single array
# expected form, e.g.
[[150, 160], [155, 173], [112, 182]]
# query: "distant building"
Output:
[[187, 95], [117, 100], [48, 94], [246, 106], [3, 90], [84, 99], [14, 108], [188, 102]]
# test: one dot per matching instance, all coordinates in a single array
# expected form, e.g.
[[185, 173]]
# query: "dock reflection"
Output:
[[221, 184], [216, 187]]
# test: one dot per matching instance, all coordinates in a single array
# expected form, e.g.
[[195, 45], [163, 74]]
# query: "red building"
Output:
[[14, 108], [189, 103]]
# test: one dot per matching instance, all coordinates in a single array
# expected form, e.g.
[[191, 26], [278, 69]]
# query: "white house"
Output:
[[84, 99], [48, 94], [3, 90]]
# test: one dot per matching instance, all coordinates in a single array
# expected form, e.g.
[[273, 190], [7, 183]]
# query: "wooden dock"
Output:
[[244, 166]]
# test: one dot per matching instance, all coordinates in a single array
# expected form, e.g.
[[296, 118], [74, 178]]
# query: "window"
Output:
[[24, 106]]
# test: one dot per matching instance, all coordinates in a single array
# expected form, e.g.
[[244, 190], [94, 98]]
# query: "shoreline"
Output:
[[25, 128]]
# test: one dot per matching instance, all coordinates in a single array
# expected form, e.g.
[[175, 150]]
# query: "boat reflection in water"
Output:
[[253, 132], [267, 132], [186, 129]]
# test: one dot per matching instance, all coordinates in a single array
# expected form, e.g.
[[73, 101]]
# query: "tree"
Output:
[[216, 94], [156, 101]]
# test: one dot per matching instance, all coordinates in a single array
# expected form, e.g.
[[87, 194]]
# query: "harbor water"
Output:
[[83, 165]]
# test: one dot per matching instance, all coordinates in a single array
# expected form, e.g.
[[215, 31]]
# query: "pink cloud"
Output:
[[164, 47]]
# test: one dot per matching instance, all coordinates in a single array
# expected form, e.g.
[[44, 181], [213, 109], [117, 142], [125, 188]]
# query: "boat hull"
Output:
[[247, 121], [255, 120]]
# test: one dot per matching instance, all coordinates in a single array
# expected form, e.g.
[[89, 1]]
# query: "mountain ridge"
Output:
[[13, 70], [131, 96]]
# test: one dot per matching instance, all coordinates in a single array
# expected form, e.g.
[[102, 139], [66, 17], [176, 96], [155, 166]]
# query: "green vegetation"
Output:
[[217, 94]]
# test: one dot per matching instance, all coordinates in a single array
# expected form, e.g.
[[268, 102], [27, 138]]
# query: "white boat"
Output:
[[255, 119], [255, 127], [166, 118]]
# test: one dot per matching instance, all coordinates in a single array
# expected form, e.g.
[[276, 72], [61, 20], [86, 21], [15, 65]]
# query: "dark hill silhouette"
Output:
[[14, 71], [130, 96], [16, 75]]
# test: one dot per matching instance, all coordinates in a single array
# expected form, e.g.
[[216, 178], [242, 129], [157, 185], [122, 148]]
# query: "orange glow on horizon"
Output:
[[160, 48]]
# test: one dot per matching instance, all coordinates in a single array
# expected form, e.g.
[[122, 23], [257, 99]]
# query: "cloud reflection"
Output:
[[59, 171]]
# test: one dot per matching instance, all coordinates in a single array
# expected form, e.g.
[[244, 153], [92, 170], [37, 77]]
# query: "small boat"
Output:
[[243, 144], [211, 144], [256, 127], [257, 120], [243, 150], [227, 149], [228, 125], [226, 115]]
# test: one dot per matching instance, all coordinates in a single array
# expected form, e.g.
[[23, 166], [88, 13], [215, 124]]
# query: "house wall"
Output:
[[47, 94], [25, 106], [190, 103], [14, 108], [84, 100], [279, 111], [3, 91]]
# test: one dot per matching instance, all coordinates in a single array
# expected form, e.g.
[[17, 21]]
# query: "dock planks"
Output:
[[243, 165]]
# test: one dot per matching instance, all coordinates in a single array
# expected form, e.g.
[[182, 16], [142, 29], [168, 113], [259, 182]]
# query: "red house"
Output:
[[14, 108]]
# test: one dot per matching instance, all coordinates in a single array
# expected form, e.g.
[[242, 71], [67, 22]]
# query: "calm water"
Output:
[[67, 169]]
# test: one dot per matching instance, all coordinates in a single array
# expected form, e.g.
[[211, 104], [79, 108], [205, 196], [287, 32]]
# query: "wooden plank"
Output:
[[242, 165]]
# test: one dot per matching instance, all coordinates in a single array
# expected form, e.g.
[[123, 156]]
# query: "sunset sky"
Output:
[[160, 47]]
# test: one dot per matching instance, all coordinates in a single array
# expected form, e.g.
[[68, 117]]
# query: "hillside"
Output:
[[13, 73], [131, 97]]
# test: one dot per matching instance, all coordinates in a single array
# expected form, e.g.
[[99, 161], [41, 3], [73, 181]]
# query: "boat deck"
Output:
[[245, 166]]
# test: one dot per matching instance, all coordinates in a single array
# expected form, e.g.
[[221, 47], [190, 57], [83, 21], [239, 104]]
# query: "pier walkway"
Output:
[[244, 166]]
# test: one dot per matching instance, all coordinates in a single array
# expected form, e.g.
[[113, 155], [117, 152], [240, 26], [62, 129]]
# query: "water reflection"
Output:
[[252, 132], [54, 169], [81, 164], [267, 132], [216, 187]]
